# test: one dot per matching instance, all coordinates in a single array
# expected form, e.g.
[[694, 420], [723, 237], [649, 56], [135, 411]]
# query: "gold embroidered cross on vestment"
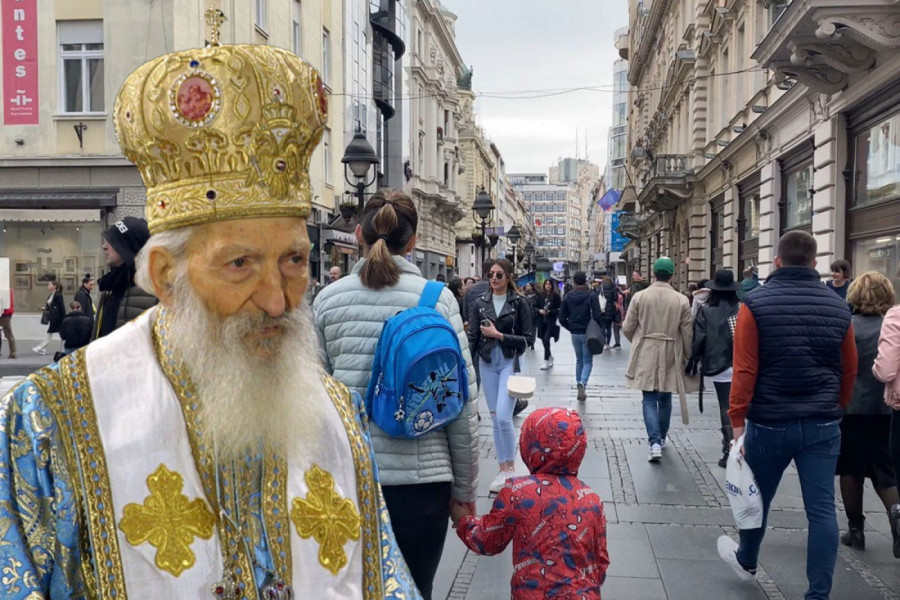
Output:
[[328, 518], [169, 521], [214, 18]]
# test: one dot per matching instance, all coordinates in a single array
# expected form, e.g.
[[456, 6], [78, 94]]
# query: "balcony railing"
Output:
[[671, 166]]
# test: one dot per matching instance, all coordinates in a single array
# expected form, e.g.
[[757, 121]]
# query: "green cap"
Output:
[[664, 265]]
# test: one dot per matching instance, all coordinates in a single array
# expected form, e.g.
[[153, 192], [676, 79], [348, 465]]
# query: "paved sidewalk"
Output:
[[664, 519]]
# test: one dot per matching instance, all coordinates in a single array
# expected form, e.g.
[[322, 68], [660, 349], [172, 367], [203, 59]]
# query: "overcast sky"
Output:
[[517, 45]]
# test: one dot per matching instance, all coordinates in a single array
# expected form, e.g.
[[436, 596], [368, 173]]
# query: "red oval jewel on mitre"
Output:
[[280, 164], [194, 98]]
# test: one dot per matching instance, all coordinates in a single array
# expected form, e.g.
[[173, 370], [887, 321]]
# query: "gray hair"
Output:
[[174, 241]]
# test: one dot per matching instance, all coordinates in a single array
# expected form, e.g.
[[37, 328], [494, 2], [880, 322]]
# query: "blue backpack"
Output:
[[419, 380]]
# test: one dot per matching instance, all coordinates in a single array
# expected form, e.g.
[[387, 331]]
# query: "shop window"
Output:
[[748, 223], [797, 190], [878, 253], [39, 252], [81, 78], [876, 165]]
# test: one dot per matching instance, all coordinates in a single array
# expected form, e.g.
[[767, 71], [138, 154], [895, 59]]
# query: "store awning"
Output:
[[33, 215]]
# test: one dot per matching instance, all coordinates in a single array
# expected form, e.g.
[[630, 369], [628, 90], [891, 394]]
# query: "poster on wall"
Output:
[[20, 64]]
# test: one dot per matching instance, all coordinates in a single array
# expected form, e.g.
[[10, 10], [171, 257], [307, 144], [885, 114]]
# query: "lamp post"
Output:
[[482, 208], [529, 253], [514, 235], [358, 157]]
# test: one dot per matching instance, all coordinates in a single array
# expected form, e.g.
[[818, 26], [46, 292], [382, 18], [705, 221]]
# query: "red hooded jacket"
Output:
[[8, 309], [555, 522]]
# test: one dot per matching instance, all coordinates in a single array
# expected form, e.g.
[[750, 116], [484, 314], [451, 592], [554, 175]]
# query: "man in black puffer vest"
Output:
[[794, 367]]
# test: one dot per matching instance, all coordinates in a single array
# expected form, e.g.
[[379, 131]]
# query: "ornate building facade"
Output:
[[748, 119]]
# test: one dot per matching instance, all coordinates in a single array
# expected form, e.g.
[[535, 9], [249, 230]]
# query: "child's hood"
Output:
[[553, 441]]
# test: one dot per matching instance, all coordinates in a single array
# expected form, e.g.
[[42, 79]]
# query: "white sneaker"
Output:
[[655, 453], [499, 481], [728, 552], [550, 362], [545, 366], [39, 351], [665, 443]]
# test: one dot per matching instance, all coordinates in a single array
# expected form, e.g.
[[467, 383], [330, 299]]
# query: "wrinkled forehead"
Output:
[[253, 235]]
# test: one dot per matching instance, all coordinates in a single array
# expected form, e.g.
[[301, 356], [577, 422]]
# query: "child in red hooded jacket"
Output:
[[555, 522]]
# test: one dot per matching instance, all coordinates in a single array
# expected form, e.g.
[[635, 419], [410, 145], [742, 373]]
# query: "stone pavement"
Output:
[[664, 519]]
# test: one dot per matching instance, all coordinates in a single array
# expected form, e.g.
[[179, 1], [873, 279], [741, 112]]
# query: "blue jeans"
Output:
[[657, 415], [494, 382], [813, 445], [584, 360]]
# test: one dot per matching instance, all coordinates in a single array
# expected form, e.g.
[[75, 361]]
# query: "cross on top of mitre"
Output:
[[214, 18]]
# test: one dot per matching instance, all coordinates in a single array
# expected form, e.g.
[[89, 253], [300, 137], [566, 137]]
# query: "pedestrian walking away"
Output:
[[638, 284], [554, 520], [75, 329], [54, 311], [886, 369], [699, 297], [428, 478], [866, 426], [713, 345], [531, 295], [659, 326], [7, 308], [794, 367], [749, 283], [610, 305], [500, 328], [547, 314], [578, 307]]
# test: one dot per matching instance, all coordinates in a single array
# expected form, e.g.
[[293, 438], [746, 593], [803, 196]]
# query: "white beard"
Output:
[[255, 394]]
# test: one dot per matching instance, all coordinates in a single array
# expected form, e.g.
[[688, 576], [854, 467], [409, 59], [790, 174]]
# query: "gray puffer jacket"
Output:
[[349, 318]]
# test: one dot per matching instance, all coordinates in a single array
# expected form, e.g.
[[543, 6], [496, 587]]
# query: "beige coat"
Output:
[[660, 329]]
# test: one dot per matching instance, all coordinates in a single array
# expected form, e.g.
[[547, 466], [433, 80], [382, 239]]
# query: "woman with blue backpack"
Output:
[[424, 429], [503, 330]]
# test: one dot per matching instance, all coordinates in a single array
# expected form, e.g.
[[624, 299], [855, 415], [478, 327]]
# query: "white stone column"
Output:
[[825, 200], [730, 235], [769, 219], [698, 242]]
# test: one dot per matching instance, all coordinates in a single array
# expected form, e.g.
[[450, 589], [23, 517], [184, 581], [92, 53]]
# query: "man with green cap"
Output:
[[659, 327]]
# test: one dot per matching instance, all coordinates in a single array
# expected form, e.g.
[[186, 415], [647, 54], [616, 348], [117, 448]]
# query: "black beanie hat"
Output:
[[127, 237]]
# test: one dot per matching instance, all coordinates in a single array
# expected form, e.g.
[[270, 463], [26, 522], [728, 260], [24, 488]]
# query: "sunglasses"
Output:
[[496, 275]]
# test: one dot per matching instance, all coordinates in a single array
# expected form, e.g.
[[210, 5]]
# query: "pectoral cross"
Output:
[[214, 18]]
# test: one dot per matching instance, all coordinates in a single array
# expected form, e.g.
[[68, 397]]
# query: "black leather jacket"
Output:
[[713, 339], [515, 322]]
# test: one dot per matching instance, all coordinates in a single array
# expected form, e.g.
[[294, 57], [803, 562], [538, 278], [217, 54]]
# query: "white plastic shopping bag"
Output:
[[743, 493]]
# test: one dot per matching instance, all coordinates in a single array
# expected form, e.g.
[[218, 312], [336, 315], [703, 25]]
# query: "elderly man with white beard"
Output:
[[200, 451]]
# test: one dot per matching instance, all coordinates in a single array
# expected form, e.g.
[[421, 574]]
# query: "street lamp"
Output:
[[529, 253], [482, 208], [358, 157], [514, 235]]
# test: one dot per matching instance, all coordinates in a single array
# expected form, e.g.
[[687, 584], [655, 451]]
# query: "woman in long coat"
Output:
[[55, 310]]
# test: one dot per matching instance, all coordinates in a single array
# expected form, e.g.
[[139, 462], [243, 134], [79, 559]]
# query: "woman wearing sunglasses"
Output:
[[504, 330]]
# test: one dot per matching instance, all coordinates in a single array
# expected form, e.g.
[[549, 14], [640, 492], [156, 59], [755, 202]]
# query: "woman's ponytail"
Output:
[[388, 224]]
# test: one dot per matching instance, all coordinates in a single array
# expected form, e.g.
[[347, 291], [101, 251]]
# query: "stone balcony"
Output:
[[668, 182], [822, 43], [631, 224]]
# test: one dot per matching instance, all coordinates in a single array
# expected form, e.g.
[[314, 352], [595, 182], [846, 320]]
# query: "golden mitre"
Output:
[[223, 132]]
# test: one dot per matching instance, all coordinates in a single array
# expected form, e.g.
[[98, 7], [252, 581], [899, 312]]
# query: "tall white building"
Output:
[[435, 66]]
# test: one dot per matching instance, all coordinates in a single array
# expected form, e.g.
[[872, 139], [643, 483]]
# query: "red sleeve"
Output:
[[490, 534], [745, 364], [850, 364], [603, 554]]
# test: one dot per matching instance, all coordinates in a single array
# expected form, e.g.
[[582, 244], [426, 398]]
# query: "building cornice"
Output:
[[648, 34]]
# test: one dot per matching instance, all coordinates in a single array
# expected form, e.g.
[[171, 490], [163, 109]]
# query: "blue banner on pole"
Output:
[[617, 240]]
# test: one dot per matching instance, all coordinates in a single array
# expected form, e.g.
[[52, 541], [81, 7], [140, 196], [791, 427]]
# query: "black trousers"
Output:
[[723, 391], [419, 516], [895, 443], [546, 338]]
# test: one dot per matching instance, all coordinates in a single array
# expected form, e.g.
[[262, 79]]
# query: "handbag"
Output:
[[45, 316], [595, 337]]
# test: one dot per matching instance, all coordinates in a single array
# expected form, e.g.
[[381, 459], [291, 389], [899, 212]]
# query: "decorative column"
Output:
[[769, 218]]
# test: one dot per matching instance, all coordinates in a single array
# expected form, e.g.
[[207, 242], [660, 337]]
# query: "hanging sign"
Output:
[[20, 64]]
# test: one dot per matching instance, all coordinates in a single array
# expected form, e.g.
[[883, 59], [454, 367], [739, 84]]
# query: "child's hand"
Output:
[[458, 510]]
